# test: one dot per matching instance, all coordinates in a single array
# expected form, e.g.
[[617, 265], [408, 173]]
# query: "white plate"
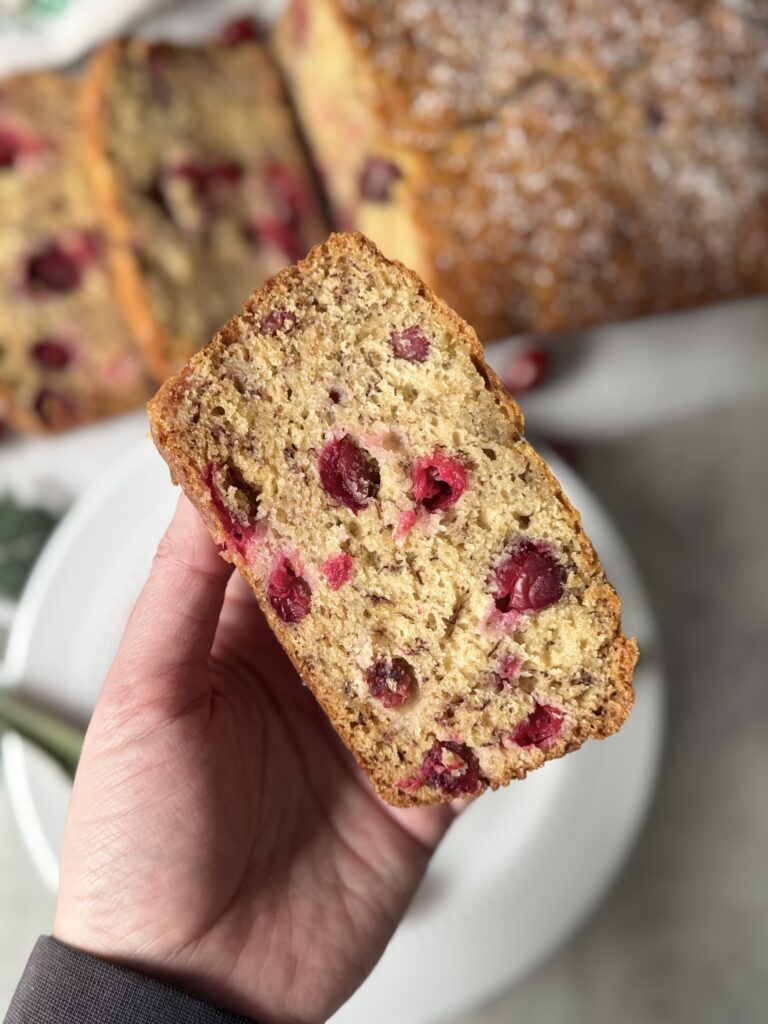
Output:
[[517, 873]]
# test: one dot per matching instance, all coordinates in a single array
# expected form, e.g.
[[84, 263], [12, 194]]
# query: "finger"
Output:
[[173, 624]]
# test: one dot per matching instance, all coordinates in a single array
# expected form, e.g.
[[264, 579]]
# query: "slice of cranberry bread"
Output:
[[202, 179], [66, 354], [367, 474]]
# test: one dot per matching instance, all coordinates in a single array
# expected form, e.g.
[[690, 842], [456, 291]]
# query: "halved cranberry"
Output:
[[528, 579], [411, 344], [51, 354], [457, 774], [337, 570], [391, 682], [278, 320], [239, 533], [377, 178], [544, 723], [54, 409], [289, 594], [243, 30], [438, 481], [348, 473], [526, 370]]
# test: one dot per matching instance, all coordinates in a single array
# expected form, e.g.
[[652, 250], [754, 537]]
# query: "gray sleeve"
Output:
[[61, 985]]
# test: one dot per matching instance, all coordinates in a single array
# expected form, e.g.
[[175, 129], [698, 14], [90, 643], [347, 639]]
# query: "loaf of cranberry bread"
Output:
[[66, 354], [202, 180], [366, 473], [544, 166]]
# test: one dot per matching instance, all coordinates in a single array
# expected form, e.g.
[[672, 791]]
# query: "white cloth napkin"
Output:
[[52, 33]]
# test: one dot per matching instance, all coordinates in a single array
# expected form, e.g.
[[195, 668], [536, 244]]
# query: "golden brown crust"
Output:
[[163, 411], [128, 281]]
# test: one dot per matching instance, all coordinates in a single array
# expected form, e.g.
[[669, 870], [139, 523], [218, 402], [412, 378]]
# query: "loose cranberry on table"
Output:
[[525, 370], [349, 474], [529, 578]]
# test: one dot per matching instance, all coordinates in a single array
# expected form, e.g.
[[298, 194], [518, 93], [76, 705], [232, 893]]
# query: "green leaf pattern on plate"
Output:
[[23, 532]]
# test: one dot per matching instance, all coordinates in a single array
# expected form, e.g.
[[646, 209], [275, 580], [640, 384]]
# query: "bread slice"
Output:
[[202, 180], [66, 354], [367, 474]]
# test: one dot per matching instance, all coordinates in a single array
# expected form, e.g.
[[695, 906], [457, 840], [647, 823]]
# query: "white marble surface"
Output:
[[684, 933]]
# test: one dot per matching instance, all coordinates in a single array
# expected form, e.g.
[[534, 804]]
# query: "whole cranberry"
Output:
[[528, 578], [391, 682], [526, 370], [348, 473]]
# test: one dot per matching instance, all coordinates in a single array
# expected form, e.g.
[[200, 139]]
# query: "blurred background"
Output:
[[588, 184]]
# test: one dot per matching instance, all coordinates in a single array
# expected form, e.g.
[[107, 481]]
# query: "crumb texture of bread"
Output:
[[67, 356], [203, 181], [544, 167], [367, 474]]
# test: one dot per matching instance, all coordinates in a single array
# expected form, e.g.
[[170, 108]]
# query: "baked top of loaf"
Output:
[[366, 473], [559, 164], [446, 64], [66, 354], [203, 181]]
